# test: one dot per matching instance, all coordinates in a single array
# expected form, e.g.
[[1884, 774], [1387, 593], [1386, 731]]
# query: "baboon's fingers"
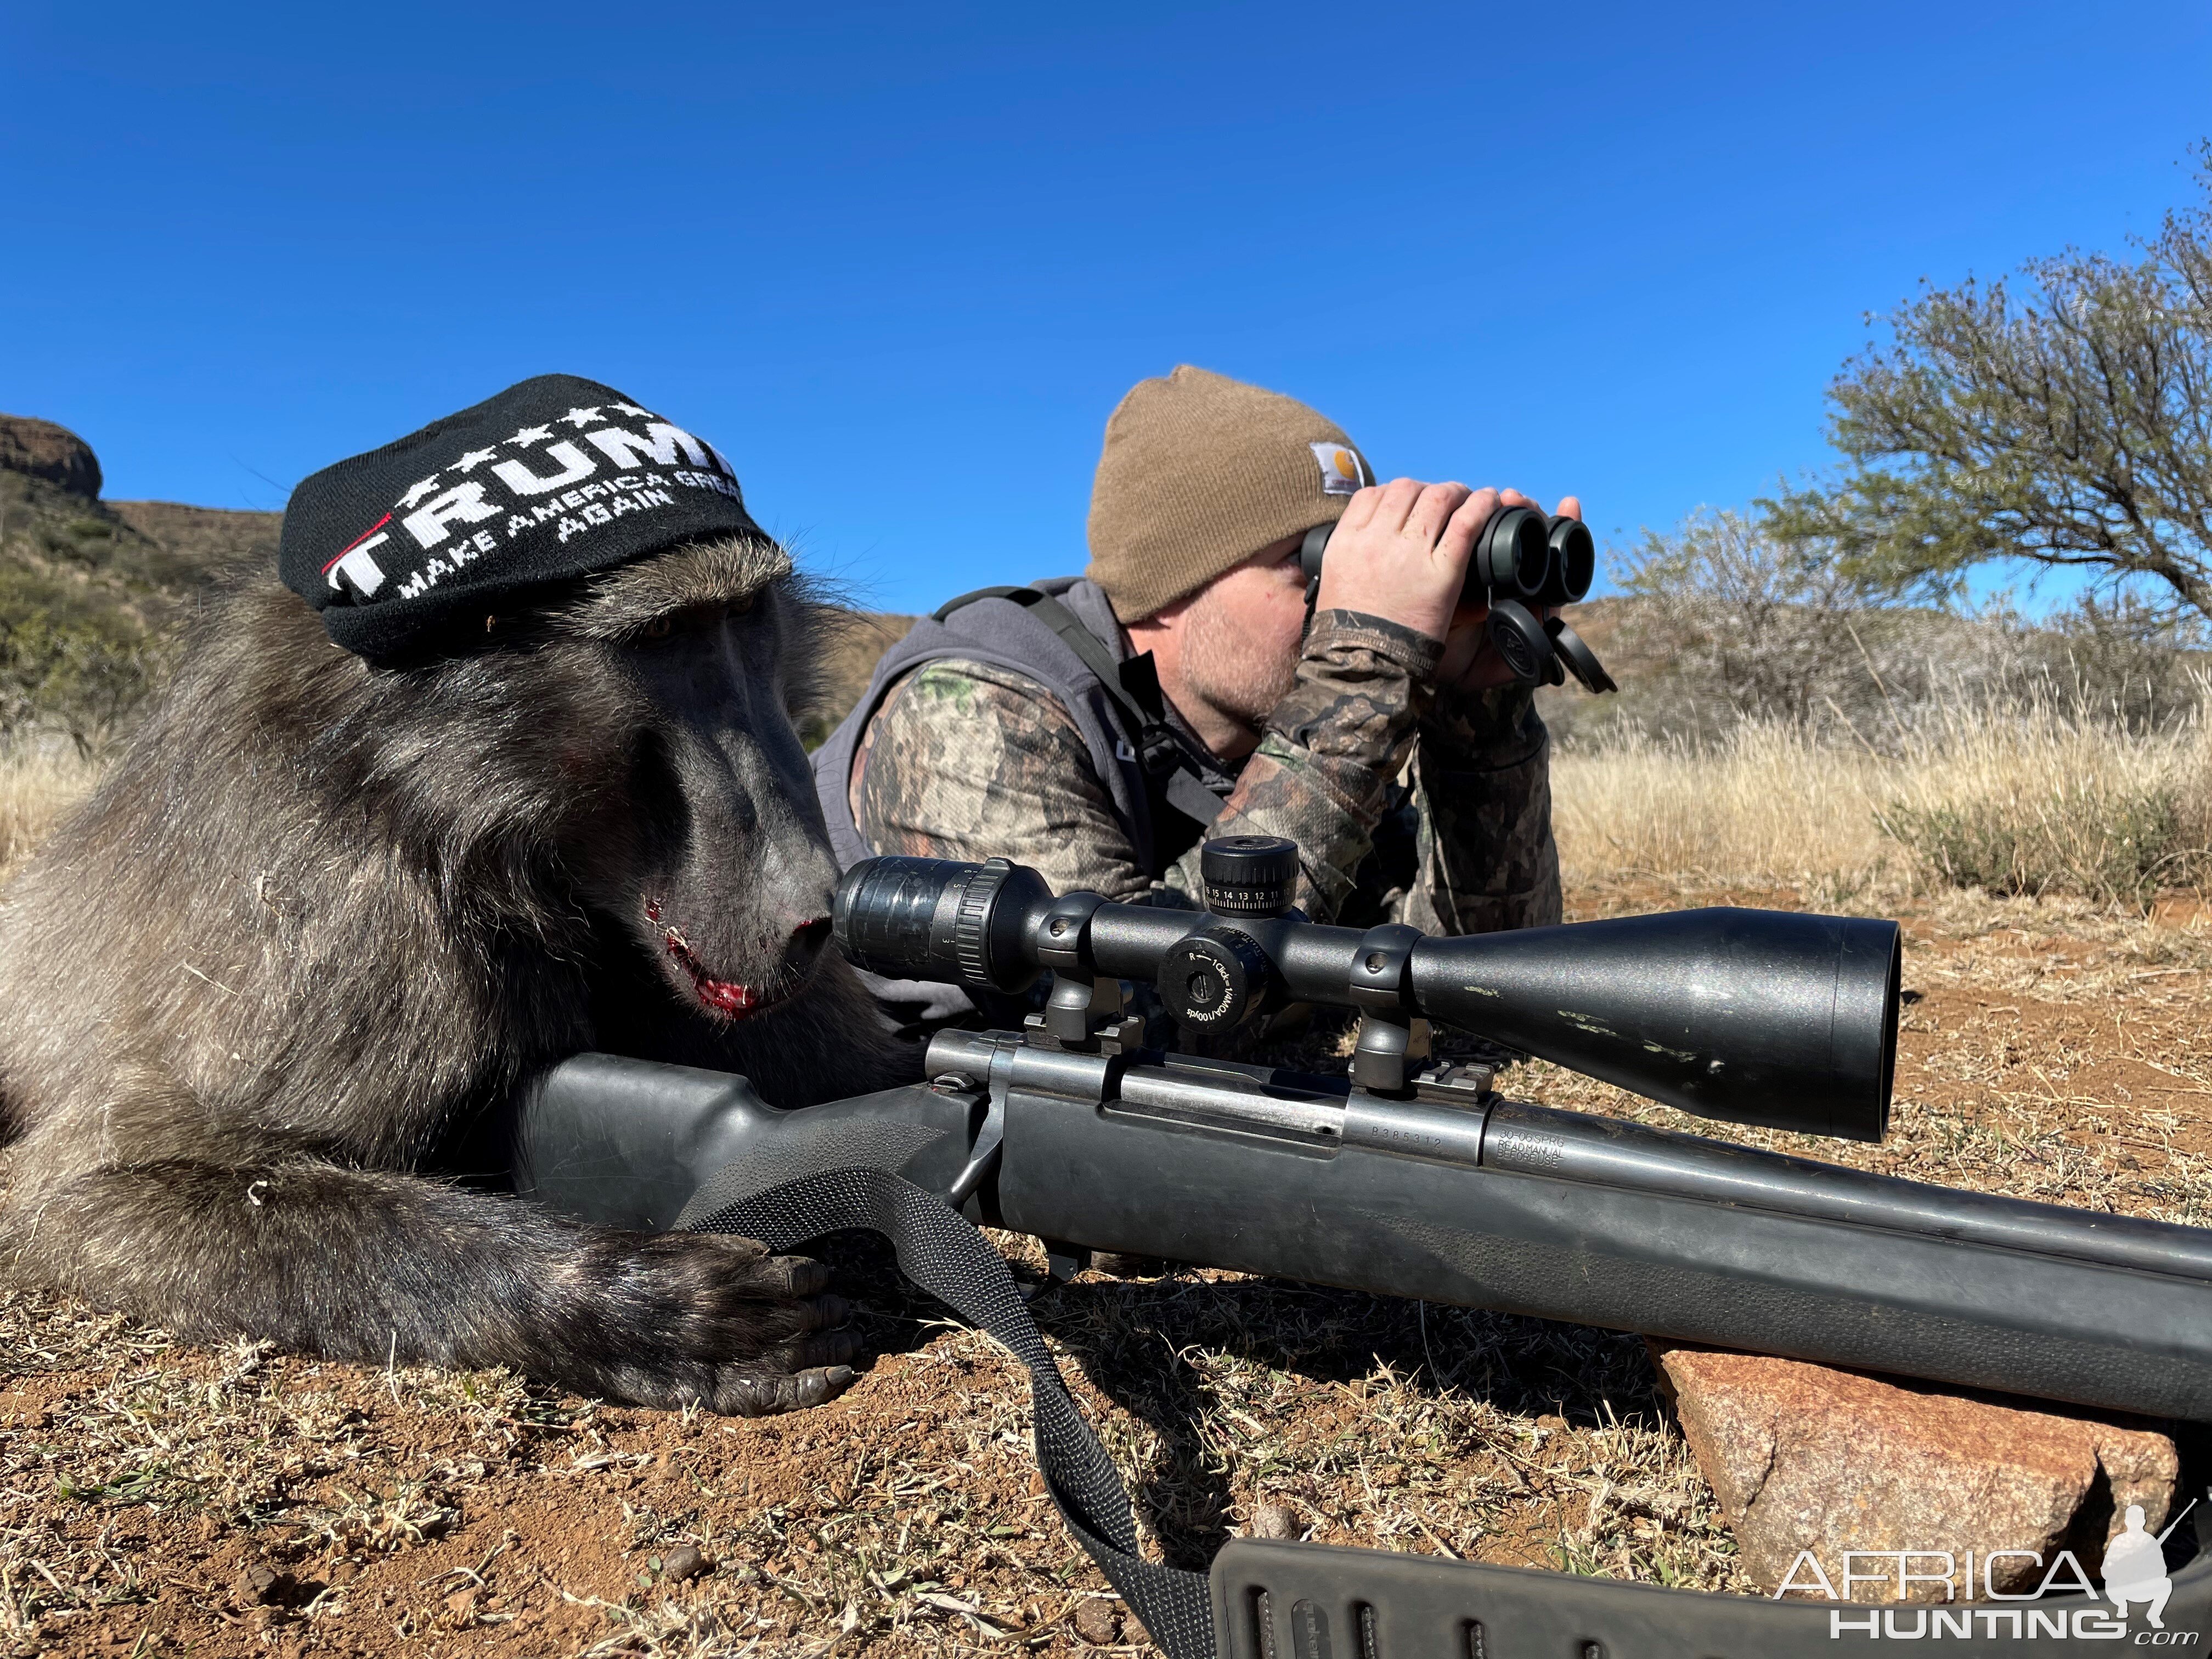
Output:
[[763, 1396], [732, 1252], [824, 1348], [779, 1319], [783, 1276]]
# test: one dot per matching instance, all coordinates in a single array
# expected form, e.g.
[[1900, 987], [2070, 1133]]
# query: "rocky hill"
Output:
[[91, 591]]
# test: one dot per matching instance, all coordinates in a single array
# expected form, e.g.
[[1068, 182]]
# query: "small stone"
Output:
[[461, 1607], [1097, 1623], [685, 1561], [1551, 1420], [1269, 1521], [345, 1572], [259, 1582]]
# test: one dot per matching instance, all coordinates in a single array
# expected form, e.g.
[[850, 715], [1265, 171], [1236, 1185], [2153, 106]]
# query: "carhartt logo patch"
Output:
[[1341, 474]]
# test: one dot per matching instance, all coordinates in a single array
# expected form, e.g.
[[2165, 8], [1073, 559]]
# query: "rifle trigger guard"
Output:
[[990, 1140]]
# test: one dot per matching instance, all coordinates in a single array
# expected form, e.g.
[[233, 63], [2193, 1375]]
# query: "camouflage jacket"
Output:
[[1407, 803]]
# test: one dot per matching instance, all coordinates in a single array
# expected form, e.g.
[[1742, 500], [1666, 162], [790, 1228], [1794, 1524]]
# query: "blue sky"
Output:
[[899, 262]]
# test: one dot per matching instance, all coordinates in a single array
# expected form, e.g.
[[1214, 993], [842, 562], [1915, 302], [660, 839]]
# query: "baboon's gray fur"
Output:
[[320, 915]]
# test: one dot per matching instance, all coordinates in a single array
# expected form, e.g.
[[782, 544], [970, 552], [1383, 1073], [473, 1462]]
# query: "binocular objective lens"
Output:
[[1514, 556], [1574, 562]]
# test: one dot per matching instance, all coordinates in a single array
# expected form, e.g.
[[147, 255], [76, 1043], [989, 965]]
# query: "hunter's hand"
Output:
[[1471, 662], [1400, 552]]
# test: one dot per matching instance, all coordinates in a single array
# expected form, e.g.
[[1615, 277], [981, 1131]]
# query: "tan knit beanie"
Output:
[[1198, 473]]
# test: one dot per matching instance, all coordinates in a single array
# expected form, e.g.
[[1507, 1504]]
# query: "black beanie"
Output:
[[553, 478]]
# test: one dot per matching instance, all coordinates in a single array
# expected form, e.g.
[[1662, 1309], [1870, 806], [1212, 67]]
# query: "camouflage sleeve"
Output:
[[1332, 750], [964, 761], [1485, 859]]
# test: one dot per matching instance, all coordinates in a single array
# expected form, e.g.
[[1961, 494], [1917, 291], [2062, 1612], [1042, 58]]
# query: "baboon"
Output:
[[323, 913]]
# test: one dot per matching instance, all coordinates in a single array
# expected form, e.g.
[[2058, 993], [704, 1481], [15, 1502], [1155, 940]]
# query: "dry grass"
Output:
[[35, 790], [2048, 801]]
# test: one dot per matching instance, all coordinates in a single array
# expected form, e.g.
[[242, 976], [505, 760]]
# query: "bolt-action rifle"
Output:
[[1410, 1177]]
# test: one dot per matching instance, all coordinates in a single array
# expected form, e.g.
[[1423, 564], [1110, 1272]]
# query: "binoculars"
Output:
[[1522, 563]]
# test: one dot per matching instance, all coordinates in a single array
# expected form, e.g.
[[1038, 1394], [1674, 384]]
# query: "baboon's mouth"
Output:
[[727, 997]]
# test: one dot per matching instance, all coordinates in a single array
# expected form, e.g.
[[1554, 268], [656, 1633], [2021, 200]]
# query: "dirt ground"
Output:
[[162, 1500]]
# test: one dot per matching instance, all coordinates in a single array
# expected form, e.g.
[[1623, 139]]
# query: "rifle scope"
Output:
[[1761, 1017], [1521, 562]]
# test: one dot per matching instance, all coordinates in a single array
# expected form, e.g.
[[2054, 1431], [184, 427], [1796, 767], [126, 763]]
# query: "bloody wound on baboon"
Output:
[[327, 912]]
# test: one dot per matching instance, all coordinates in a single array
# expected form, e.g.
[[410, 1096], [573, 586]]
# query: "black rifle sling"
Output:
[[939, 1250], [1133, 685]]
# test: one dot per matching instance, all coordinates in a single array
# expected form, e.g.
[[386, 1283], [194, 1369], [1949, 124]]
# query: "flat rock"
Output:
[[52, 452], [1802, 1457], [1097, 1623]]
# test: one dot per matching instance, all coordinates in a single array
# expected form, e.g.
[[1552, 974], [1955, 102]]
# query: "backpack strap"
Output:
[[1134, 687]]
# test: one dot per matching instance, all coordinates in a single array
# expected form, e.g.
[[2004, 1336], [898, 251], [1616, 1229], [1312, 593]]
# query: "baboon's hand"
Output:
[[680, 1319]]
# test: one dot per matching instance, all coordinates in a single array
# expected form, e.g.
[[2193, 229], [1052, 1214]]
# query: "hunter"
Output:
[[1099, 727]]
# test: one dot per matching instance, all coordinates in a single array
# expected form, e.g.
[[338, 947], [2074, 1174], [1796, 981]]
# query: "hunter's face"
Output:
[[1242, 634]]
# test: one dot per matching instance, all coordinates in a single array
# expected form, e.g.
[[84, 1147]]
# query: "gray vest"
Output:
[[1001, 633]]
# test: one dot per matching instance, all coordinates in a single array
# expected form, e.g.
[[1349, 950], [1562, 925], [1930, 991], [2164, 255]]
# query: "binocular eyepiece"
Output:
[[1522, 560]]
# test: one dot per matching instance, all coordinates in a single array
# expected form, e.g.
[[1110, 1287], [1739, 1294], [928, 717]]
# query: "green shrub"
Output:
[[2116, 848], [71, 663]]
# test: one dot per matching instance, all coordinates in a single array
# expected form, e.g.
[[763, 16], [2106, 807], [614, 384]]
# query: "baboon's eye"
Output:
[[659, 628], [742, 606]]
